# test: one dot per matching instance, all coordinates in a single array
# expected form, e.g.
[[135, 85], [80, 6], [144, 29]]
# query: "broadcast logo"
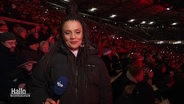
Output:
[[20, 92]]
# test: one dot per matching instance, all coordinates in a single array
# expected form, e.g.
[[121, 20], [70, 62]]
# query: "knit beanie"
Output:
[[7, 36]]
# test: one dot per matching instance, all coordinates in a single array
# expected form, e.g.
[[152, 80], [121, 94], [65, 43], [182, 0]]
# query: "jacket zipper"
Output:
[[76, 78]]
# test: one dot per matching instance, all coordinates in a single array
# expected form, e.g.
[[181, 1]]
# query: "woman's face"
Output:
[[72, 34]]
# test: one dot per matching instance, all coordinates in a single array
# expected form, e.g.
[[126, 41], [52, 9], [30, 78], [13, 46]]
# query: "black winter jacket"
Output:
[[10, 75], [96, 89]]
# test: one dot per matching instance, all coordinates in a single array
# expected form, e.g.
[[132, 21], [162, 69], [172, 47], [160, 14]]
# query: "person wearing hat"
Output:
[[32, 53], [21, 35], [8, 40], [11, 77]]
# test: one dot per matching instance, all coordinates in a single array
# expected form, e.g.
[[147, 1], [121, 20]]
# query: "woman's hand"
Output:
[[51, 101]]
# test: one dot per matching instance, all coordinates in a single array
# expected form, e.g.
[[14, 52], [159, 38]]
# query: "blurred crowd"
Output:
[[159, 68]]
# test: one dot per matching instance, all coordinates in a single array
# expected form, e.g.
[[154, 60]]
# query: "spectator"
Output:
[[44, 47], [11, 75], [21, 35], [3, 26], [131, 89], [32, 53]]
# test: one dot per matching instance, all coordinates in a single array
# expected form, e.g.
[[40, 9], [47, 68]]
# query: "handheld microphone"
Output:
[[60, 87]]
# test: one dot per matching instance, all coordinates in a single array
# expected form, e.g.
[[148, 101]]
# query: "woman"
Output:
[[75, 61]]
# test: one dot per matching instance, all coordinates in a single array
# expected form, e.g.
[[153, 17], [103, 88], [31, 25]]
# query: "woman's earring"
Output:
[[82, 44]]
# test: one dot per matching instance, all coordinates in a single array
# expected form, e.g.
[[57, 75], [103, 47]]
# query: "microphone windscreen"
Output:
[[61, 85]]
